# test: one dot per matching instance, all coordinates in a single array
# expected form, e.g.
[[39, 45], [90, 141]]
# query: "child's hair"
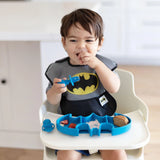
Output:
[[88, 19]]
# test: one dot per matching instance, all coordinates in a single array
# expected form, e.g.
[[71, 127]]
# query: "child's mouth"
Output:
[[77, 54]]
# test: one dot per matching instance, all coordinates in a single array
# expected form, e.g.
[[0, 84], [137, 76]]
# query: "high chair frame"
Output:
[[127, 103]]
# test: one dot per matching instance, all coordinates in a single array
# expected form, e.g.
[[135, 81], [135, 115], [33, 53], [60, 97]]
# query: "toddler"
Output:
[[82, 38]]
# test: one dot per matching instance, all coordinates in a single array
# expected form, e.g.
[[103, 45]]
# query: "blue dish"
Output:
[[100, 124]]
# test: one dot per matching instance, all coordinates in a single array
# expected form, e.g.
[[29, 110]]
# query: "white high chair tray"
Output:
[[136, 137]]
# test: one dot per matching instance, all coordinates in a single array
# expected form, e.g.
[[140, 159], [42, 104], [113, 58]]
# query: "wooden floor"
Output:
[[147, 84]]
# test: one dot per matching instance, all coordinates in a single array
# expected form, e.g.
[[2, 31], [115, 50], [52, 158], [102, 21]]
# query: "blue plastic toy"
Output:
[[100, 124], [47, 125], [71, 80]]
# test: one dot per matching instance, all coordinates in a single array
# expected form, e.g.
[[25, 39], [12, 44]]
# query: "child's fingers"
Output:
[[86, 59], [63, 89], [59, 86], [56, 80]]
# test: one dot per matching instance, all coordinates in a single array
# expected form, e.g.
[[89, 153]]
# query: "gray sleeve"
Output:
[[112, 65], [48, 87], [52, 72]]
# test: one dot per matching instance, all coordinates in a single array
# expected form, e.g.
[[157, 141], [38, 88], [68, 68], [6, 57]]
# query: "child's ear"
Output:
[[63, 41], [100, 43]]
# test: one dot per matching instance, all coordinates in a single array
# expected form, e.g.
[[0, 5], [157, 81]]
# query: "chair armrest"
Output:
[[47, 107], [140, 105], [127, 100], [42, 112]]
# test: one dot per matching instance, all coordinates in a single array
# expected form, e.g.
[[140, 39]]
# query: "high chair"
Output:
[[133, 141]]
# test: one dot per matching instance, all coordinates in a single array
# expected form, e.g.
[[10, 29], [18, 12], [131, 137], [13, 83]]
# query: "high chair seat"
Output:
[[132, 141]]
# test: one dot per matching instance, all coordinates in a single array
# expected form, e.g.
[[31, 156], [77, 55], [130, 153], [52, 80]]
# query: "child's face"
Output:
[[80, 42]]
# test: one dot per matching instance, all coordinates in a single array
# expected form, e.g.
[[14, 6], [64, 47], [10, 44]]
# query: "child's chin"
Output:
[[79, 64], [74, 63]]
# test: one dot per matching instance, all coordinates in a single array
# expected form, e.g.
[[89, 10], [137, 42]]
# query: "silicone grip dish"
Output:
[[106, 125]]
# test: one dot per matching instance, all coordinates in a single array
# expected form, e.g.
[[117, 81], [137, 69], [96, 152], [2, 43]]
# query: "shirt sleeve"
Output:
[[48, 87], [112, 65], [51, 72]]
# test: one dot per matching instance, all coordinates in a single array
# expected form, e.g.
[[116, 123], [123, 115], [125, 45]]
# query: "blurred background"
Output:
[[30, 41]]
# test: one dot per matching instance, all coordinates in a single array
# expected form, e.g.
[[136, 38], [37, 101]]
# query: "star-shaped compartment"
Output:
[[94, 124]]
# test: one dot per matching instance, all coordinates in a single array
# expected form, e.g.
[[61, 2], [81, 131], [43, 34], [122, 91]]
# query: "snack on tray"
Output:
[[65, 122], [120, 120], [72, 125]]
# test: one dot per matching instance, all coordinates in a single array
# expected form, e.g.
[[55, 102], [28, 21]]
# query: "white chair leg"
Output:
[[135, 154], [49, 154]]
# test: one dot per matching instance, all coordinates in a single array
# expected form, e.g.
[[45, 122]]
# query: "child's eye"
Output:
[[73, 40], [89, 40]]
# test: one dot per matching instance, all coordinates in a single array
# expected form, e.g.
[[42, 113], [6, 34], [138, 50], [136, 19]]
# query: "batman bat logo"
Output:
[[88, 83]]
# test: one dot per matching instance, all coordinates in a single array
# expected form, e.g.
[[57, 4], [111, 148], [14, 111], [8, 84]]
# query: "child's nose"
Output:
[[81, 45]]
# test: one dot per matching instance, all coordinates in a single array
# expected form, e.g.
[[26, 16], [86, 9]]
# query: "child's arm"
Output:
[[109, 79], [54, 94]]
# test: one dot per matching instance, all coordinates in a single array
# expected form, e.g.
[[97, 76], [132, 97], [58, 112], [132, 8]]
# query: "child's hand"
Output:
[[58, 88], [54, 94], [88, 59]]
